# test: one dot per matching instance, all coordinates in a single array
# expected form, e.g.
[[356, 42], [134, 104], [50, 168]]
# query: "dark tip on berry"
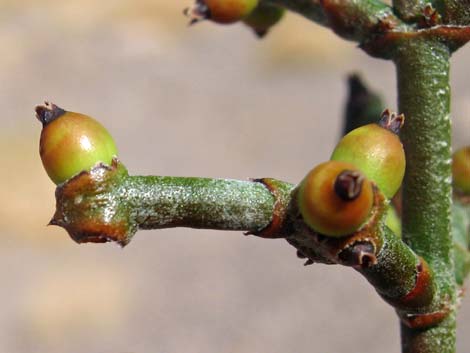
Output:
[[48, 112], [392, 121], [53, 222], [198, 12], [348, 185], [301, 255], [309, 262], [261, 33]]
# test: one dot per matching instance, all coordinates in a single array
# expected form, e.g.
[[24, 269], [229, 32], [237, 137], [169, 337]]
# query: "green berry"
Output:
[[220, 11], [72, 142], [461, 170], [378, 152], [335, 199], [263, 17], [393, 221]]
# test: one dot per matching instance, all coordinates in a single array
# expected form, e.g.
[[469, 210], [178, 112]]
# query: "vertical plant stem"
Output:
[[424, 97]]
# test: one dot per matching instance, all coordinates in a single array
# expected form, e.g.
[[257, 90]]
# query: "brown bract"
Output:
[[89, 207], [279, 225]]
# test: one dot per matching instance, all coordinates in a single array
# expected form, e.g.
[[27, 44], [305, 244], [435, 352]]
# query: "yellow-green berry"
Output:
[[71, 142], [263, 17], [461, 170], [377, 151], [393, 221]]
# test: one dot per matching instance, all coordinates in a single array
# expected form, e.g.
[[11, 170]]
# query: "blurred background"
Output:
[[208, 101]]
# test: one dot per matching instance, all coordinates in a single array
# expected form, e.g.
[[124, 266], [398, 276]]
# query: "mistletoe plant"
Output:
[[345, 210]]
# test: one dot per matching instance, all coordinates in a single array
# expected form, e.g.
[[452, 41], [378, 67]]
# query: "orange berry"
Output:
[[335, 198]]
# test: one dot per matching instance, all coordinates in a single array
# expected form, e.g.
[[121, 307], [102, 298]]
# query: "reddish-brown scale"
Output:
[[422, 293], [84, 222], [278, 222], [422, 321], [93, 231]]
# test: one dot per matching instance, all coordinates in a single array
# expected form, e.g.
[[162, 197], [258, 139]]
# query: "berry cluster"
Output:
[[336, 197]]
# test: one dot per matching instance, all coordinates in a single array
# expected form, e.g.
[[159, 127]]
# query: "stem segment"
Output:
[[106, 204], [424, 96], [163, 202]]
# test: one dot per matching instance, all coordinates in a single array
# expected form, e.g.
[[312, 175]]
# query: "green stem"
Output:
[[424, 96], [163, 202], [106, 204], [353, 20], [456, 12]]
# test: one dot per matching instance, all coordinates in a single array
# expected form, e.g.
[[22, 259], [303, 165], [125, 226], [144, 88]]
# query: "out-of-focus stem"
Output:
[[353, 20]]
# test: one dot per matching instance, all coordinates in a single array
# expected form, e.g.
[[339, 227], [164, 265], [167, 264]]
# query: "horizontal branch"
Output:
[[353, 20], [106, 204], [376, 27]]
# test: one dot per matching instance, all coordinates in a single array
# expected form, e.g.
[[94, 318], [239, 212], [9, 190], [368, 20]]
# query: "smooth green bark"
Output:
[[424, 97], [163, 202]]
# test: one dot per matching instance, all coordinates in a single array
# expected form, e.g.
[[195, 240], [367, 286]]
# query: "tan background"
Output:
[[203, 101]]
